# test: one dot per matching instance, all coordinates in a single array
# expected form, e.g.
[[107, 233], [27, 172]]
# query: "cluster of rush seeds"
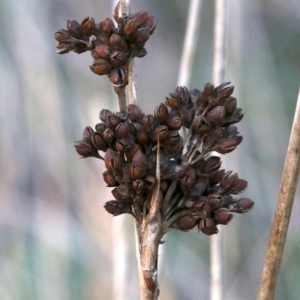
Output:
[[194, 190]]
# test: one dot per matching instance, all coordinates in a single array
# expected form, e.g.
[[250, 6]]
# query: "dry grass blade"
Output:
[[218, 77], [283, 212]]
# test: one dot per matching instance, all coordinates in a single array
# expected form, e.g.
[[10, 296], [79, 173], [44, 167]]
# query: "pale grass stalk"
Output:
[[283, 212], [216, 247]]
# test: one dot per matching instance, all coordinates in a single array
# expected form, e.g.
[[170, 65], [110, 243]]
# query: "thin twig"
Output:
[[283, 212], [218, 77]]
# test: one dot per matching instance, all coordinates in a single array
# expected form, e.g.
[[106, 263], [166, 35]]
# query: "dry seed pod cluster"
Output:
[[112, 46], [194, 190]]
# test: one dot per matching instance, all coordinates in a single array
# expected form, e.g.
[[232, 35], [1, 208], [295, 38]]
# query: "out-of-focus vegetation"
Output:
[[56, 240]]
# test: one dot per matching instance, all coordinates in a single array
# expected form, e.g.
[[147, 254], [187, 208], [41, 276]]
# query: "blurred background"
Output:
[[56, 240]]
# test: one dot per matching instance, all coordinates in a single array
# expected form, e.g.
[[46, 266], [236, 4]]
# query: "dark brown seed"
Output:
[[108, 135], [230, 105], [116, 208], [140, 17], [118, 58], [98, 142], [161, 113], [222, 216], [117, 42], [74, 28], [87, 26], [101, 66], [174, 123], [109, 179], [117, 77], [103, 50], [242, 205], [122, 130], [62, 35], [142, 36], [112, 120], [135, 113], [185, 223], [208, 226], [160, 133], [106, 28], [216, 115]]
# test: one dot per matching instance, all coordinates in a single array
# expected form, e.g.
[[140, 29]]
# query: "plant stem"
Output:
[[218, 78], [120, 91], [283, 212]]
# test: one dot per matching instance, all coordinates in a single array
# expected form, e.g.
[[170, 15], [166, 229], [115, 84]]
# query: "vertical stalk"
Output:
[[283, 212], [218, 77]]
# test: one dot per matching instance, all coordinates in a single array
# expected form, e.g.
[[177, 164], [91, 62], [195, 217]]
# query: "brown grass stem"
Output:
[[282, 213]]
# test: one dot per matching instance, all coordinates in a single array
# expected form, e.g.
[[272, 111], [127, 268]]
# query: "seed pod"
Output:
[[240, 186], [160, 133], [222, 216], [161, 113], [174, 123], [208, 226], [140, 17], [100, 127], [212, 138], [88, 132], [216, 115], [135, 113], [112, 120], [74, 28], [109, 179], [142, 36], [228, 145], [118, 58], [87, 26], [101, 66], [242, 205], [103, 50], [174, 101], [150, 24], [117, 42], [139, 185], [173, 138], [228, 182], [85, 149], [122, 130], [108, 135], [185, 223], [98, 142], [230, 105], [149, 122], [130, 28], [117, 208], [106, 28], [130, 151], [113, 161], [122, 144], [216, 177], [103, 114], [187, 115], [62, 35], [117, 77], [187, 180]]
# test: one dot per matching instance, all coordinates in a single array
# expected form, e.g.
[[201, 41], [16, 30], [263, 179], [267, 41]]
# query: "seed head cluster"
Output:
[[194, 191], [112, 45]]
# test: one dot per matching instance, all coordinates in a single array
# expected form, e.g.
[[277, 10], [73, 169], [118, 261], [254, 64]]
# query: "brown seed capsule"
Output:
[[242, 205], [174, 123], [112, 120], [185, 223], [174, 101], [140, 17], [230, 105], [222, 216], [139, 185], [135, 113], [103, 50], [229, 181], [161, 113], [62, 35], [208, 226], [149, 122], [172, 139], [109, 179], [118, 58], [187, 180], [87, 26], [108, 135], [187, 115], [130, 28], [74, 28], [117, 208], [216, 115], [85, 149], [122, 130], [130, 151], [103, 114], [113, 161], [101, 66], [216, 177], [88, 132], [122, 144], [142, 36], [150, 24], [228, 145], [117, 42], [212, 138], [117, 77], [98, 142], [240, 186], [106, 28], [214, 201], [160, 133]]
